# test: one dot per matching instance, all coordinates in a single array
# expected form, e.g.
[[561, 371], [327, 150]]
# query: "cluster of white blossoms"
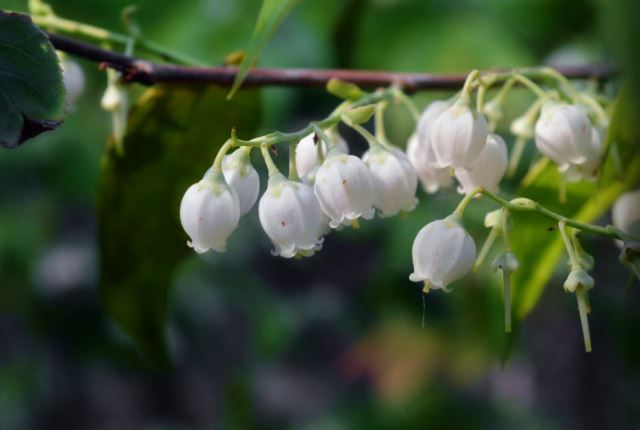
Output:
[[329, 188]]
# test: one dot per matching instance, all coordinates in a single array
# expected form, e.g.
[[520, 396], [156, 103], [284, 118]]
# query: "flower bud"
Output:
[[578, 278], [487, 170], [522, 126], [111, 99], [394, 180], [430, 177], [524, 202], [443, 252], [307, 152], [626, 213], [291, 216], [493, 110], [344, 188], [458, 135], [493, 219], [506, 262], [242, 177], [209, 212], [564, 134]]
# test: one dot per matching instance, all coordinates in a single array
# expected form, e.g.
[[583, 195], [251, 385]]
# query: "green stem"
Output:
[[565, 84], [468, 83], [505, 229], [584, 321], [504, 91], [535, 207], [573, 258], [217, 162], [55, 23], [379, 122], [562, 190], [516, 155], [491, 238], [278, 137], [534, 172], [324, 137], [482, 89], [293, 170], [535, 88], [506, 283], [371, 139], [271, 166], [459, 211]]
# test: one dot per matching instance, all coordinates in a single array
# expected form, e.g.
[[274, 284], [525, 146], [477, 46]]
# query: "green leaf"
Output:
[[271, 15], [31, 86], [536, 246], [173, 134]]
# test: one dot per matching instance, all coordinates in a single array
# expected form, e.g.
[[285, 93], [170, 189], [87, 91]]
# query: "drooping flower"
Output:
[[564, 134], [292, 218], [344, 188], [242, 177], [425, 126], [394, 180], [590, 168], [307, 151], [488, 169], [626, 213], [431, 178], [209, 212], [458, 135], [443, 252]]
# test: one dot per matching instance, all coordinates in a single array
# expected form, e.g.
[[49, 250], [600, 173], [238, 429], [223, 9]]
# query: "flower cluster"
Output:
[[329, 188]]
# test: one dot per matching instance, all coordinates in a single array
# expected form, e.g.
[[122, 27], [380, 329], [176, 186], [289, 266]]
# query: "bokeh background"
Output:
[[331, 342]]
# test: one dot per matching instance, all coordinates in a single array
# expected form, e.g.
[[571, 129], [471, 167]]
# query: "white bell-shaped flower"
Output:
[[443, 252], [394, 180], [242, 177], [73, 79], [488, 169], [310, 180], [626, 213], [307, 151], [209, 212], [458, 135], [590, 168], [425, 126], [564, 134], [291, 216], [431, 178], [344, 188]]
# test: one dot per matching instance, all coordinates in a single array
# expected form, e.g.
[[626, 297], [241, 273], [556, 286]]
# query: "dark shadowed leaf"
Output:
[[271, 15], [173, 135], [31, 87]]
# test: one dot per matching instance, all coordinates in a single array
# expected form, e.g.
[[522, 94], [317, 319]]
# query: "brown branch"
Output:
[[149, 73]]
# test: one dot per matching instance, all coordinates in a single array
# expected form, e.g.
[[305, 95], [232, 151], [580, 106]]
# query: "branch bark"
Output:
[[149, 73]]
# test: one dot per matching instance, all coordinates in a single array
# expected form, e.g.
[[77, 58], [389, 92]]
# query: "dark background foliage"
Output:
[[253, 341]]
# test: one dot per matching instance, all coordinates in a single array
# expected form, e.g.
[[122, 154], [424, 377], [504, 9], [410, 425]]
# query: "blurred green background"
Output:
[[330, 342]]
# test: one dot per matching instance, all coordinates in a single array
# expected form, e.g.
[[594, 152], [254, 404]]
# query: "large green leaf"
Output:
[[271, 15], [172, 137], [31, 87], [538, 248]]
